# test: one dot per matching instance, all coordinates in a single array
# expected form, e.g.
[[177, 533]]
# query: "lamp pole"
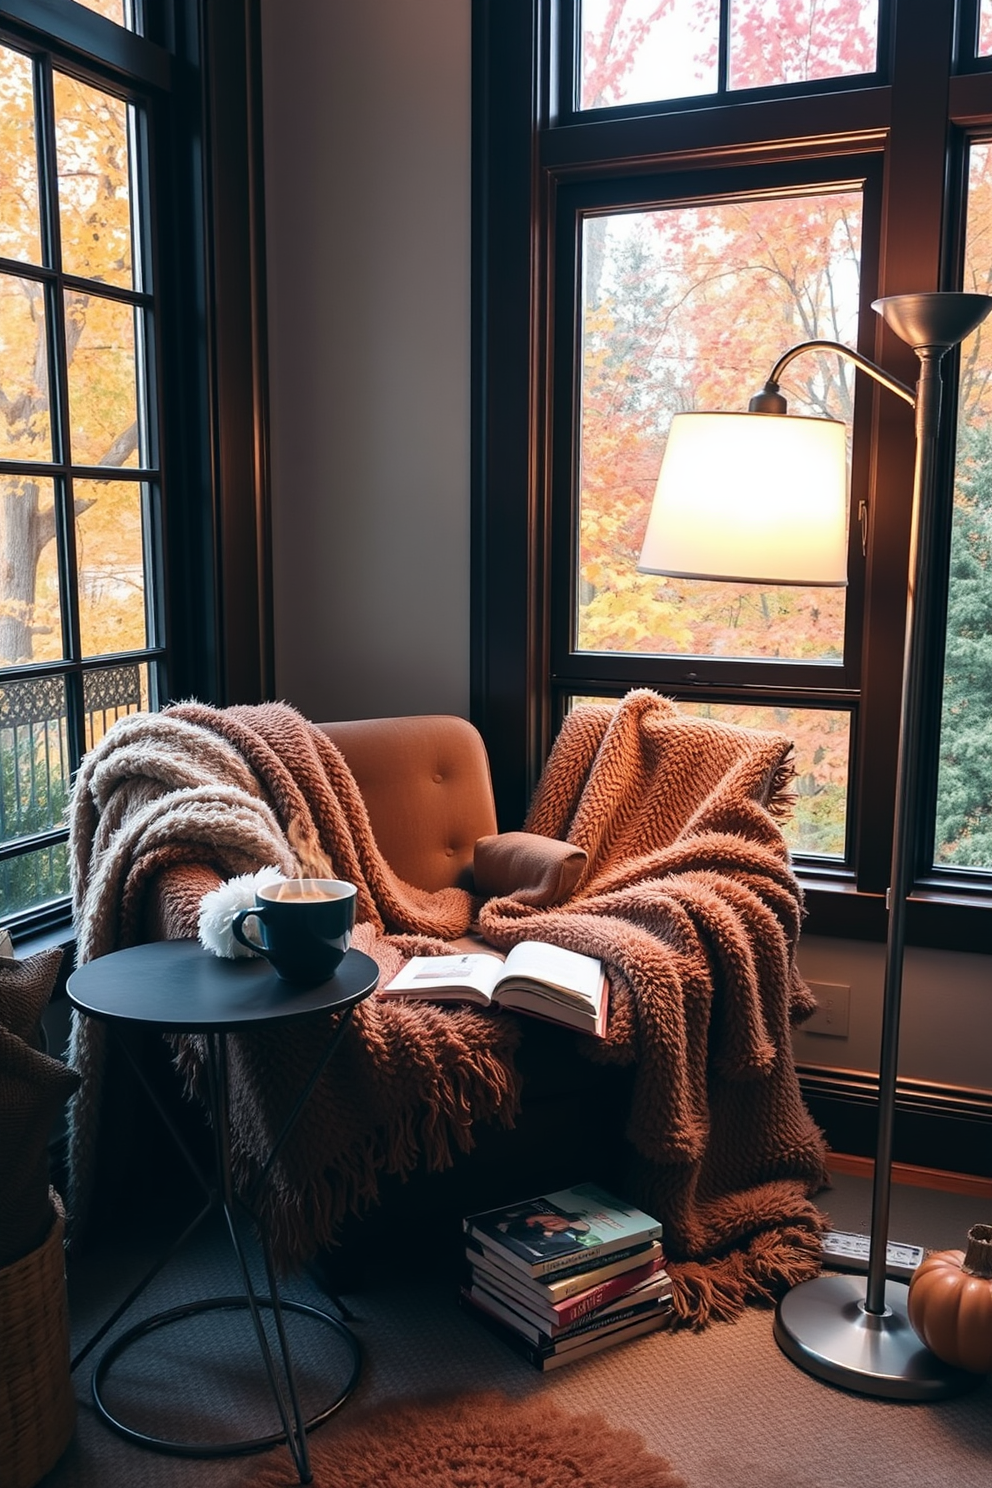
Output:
[[842, 1329]]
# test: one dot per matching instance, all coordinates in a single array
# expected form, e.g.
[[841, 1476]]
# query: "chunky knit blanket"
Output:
[[169, 804], [689, 900], [687, 897]]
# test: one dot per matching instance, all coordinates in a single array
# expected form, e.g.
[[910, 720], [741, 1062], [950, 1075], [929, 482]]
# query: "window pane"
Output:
[[102, 390], [120, 11], [30, 613], [985, 29], [94, 182], [110, 563], [772, 42], [34, 757], [964, 787], [34, 879], [640, 51], [112, 693], [25, 425], [20, 228], [822, 738], [661, 291]]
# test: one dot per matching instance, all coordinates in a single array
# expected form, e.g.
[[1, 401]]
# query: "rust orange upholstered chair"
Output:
[[426, 784]]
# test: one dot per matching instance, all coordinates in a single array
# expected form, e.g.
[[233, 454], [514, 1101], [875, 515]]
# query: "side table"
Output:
[[177, 987]]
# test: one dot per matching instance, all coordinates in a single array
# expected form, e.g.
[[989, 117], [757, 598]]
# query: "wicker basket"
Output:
[[37, 1403]]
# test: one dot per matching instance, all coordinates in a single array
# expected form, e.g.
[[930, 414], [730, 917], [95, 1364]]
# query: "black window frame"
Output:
[[914, 119], [198, 66]]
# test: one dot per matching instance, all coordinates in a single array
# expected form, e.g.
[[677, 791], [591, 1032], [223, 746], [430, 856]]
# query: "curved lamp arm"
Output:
[[771, 400]]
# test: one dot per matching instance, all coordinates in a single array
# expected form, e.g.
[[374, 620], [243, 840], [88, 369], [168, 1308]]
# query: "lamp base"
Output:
[[823, 1327]]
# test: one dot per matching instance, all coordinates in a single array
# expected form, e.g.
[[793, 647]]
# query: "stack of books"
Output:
[[565, 1274]]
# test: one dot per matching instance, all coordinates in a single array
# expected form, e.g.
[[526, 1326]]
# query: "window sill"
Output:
[[936, 918]]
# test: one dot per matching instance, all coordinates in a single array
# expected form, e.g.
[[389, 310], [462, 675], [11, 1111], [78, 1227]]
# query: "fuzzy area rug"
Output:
[[473, 1441]]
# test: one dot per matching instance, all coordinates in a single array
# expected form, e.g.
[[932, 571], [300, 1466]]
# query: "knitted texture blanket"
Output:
[[166, 806], [687, 897], [689, 900]]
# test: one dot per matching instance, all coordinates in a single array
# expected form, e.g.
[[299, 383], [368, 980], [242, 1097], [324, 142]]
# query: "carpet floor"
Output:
[[724, 1407]]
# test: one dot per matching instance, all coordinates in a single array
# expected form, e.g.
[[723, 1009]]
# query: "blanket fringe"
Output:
[[781, 802], [761, 1272]]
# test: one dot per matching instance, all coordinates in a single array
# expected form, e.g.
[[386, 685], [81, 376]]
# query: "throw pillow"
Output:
[[535, 870]]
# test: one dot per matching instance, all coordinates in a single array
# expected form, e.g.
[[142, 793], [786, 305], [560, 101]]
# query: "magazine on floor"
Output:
[[568, 1228]]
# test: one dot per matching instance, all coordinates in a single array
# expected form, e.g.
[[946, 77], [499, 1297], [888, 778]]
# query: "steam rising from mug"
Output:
[[304, 927]]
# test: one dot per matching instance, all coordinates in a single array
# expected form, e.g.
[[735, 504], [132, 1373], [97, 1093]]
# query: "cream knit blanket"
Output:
[[166, 806]]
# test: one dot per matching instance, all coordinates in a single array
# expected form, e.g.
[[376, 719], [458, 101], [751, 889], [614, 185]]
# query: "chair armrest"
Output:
[[535, 870]]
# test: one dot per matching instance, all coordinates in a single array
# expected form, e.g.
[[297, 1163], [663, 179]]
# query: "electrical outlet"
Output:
[[833, 1010]]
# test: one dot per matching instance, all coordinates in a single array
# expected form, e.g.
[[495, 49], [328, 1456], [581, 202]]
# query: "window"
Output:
[[639, 51], [80, 488], [113, 392], [963, 835], [678, 194]]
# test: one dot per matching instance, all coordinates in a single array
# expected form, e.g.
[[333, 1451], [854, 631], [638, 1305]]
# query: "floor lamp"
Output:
[[757, 497]]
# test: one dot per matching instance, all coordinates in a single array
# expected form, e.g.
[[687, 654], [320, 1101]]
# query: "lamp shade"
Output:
[[751, 498]]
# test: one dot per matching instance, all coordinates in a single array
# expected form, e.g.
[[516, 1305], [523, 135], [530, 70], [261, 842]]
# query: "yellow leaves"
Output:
[[626, 614], [94, 181]]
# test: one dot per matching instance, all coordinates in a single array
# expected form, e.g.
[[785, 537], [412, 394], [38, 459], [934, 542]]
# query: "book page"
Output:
[[472, 977], [540, 1003], [567, 975]]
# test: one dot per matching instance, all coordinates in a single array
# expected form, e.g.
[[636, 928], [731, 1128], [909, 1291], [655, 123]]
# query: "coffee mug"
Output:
[[304, 925]]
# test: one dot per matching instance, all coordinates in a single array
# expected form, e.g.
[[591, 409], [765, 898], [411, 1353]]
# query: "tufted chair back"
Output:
[[426, 785]]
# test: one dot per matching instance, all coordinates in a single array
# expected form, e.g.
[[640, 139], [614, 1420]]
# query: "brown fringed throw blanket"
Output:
[[687, 897]]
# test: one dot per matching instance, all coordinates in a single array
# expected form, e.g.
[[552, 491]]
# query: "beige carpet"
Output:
[[724, 1406], [483, 1440]]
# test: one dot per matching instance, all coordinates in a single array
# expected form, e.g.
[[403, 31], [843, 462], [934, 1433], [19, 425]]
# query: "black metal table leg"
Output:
[[221, 1012]]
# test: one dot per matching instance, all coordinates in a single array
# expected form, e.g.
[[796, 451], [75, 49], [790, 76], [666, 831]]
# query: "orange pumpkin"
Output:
[[950, 1302]]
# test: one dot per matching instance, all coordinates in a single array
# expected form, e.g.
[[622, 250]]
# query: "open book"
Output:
[[535, 978]]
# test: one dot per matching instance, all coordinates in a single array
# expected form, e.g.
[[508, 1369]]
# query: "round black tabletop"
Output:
[[176, 984]]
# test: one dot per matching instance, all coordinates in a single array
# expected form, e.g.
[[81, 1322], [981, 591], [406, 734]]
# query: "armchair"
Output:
[[425, 784], [653, 846]]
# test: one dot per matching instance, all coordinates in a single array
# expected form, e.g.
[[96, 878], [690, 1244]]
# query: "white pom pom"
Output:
[[218, 908]]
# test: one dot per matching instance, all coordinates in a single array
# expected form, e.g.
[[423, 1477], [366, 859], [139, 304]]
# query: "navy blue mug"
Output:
[[304, 927]]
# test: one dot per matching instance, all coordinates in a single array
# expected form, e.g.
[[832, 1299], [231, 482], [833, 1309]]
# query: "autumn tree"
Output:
[[688, 307], [95, 238]]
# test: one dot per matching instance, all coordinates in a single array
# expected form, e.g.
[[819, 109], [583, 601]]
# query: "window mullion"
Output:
[[911, 259], [58, 382]]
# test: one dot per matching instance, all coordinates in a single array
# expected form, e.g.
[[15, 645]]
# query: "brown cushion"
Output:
[[535, 870], [33, 1089], [25, 991]]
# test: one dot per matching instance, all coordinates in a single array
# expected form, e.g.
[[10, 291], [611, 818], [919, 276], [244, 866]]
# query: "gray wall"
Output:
[[367, 172], [945, 1028], [368, 282]]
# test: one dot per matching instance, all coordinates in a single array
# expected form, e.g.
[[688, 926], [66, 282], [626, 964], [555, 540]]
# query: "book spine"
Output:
[[607, 1291], [567, 1283], [562, 1338], [591, 1325], [561, 1314], [599, 1252], [543, 1357], [582, 1261]]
